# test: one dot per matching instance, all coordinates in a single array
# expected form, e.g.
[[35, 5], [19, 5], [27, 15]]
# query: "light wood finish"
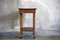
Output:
[[29, 29]]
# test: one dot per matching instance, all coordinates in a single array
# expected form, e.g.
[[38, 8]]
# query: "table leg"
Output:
[[21, 33], [34, 25]]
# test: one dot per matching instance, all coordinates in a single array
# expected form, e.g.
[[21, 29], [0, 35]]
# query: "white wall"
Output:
[[8, 14], [48, 10], [47, 14]]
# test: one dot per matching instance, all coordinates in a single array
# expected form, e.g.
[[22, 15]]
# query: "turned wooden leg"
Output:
[[34, 25], [21, 33]]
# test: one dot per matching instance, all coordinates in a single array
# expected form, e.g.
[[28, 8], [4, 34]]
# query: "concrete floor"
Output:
[[35, 39], [40, 34]]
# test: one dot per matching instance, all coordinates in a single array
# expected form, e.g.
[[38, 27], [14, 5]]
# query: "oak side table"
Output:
[[27, 29]]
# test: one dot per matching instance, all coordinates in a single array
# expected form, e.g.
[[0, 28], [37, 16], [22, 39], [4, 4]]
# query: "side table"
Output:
[[27, 29]]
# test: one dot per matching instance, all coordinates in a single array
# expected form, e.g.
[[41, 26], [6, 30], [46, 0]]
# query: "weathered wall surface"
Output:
[[47, 14], [8, 14]]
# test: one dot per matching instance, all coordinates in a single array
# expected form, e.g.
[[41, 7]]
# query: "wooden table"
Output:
[[27, 29]]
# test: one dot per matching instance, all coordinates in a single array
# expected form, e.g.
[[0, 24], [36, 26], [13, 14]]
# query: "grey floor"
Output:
[[39, 34]]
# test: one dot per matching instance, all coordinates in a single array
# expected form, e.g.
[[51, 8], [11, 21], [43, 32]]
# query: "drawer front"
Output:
[[26, 11]]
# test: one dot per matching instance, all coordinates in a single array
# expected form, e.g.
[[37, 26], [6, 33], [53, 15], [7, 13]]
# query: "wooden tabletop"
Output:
[[27, 8]]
